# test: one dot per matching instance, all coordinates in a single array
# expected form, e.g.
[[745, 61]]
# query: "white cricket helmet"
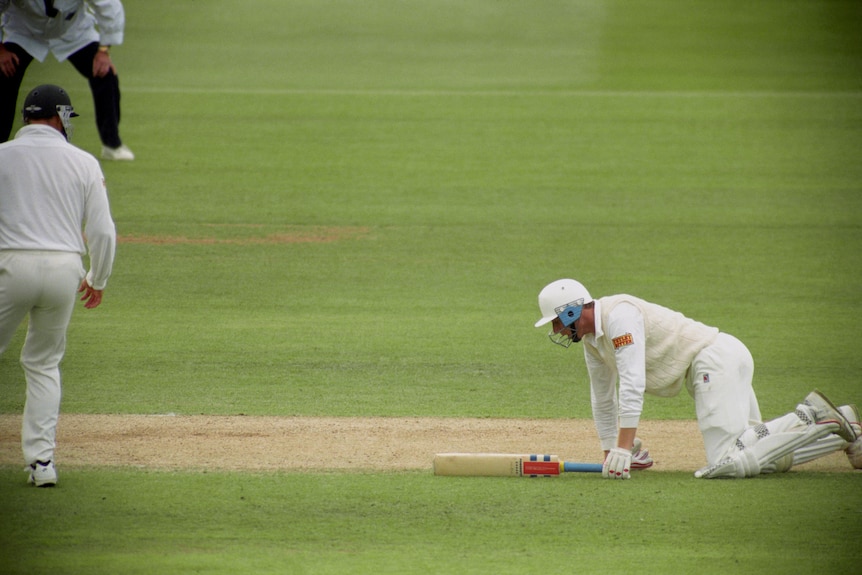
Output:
[[562, 299]]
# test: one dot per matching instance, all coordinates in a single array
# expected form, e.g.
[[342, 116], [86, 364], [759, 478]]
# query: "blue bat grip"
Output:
[[583, 467]]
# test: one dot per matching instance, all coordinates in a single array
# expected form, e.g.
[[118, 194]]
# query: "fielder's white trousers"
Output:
[[41, 285], [720, 382]]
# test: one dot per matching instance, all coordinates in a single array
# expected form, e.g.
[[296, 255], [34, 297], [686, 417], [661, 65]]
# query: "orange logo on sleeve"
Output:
[[623, 341]]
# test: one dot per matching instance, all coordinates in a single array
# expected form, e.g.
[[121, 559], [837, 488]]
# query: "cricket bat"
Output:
[[507, 465]]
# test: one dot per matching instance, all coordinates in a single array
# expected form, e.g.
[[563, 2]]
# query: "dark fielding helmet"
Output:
[[47, 101]]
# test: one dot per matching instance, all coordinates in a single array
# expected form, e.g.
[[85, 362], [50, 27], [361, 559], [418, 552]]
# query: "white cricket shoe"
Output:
[[826, 412], [854, 450], [121, 153], [43, 474]]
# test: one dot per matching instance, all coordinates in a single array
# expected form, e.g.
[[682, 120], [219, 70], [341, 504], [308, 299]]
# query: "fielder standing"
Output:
[[49, 191], [633, 347], [81, 31]]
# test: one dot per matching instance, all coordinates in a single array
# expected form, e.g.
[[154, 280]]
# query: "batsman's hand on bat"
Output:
[[618, 464]]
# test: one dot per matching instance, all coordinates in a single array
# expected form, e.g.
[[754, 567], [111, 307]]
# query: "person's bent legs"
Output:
[[721, 383], [769, 447]]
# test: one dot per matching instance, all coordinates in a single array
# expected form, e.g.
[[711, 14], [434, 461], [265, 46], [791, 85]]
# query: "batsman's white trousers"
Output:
[[43, 285], [720, 382]]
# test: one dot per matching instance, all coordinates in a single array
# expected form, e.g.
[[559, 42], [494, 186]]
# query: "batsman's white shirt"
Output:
[[647, 348], [37, 210], [76, 24]]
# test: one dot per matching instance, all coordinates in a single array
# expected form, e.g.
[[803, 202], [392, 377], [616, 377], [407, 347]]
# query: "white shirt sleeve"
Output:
[[110, 19], [603, 396], [625, 330], [100, 231]]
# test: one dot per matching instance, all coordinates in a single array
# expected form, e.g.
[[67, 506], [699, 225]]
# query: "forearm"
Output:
[[604, 407], [101, 249], [626, 437]]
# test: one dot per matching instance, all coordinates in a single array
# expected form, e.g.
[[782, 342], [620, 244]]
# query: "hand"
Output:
[[618, 463], [8, 62], [640, 456], [102, 65], [92, 297]]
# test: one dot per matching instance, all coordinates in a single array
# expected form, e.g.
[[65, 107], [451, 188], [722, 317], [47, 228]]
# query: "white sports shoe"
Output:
[[121, 153], [826, 412], [854, 450], [43, 474]]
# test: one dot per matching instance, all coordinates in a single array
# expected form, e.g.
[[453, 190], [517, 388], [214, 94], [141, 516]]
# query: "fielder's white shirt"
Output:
[[76, 24], [49, 190], [647, 348]]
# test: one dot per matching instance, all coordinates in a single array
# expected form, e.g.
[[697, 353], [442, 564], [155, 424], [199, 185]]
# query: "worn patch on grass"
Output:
[[249, 234], [341, 443]]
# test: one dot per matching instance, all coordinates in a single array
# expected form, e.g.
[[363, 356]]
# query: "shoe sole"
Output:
[[49, 483]]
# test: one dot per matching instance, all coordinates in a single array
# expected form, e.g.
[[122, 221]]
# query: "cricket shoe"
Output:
[[43, 474], [854, 450], [121, 153], [851, 414], [826, 412]]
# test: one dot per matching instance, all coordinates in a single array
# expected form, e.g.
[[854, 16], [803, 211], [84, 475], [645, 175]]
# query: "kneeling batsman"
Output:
[[633, 347]]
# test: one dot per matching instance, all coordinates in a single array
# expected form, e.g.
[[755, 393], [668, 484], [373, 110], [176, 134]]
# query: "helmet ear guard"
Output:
[[570, 312]]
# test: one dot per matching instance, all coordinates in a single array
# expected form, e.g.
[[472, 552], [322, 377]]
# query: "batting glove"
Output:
[[641, 459], [617, 464], [640, 456]]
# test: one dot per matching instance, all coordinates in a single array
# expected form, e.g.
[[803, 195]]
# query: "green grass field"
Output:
[[348, 208]]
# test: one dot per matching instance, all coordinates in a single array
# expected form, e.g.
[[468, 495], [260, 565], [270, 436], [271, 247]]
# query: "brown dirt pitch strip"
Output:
[[311, 444]]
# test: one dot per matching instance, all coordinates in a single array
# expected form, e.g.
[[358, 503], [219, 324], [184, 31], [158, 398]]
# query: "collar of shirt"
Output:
[[39, 130], [597, 316]]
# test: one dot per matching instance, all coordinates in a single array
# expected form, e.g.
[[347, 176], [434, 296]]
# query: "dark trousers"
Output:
[[106, 93]]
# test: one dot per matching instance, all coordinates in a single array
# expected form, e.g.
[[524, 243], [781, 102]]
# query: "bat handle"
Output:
[[581, 467]]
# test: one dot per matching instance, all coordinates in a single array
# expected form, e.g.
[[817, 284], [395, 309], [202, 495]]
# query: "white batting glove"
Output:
[[617, 464], [641, 459], [640, 456]]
